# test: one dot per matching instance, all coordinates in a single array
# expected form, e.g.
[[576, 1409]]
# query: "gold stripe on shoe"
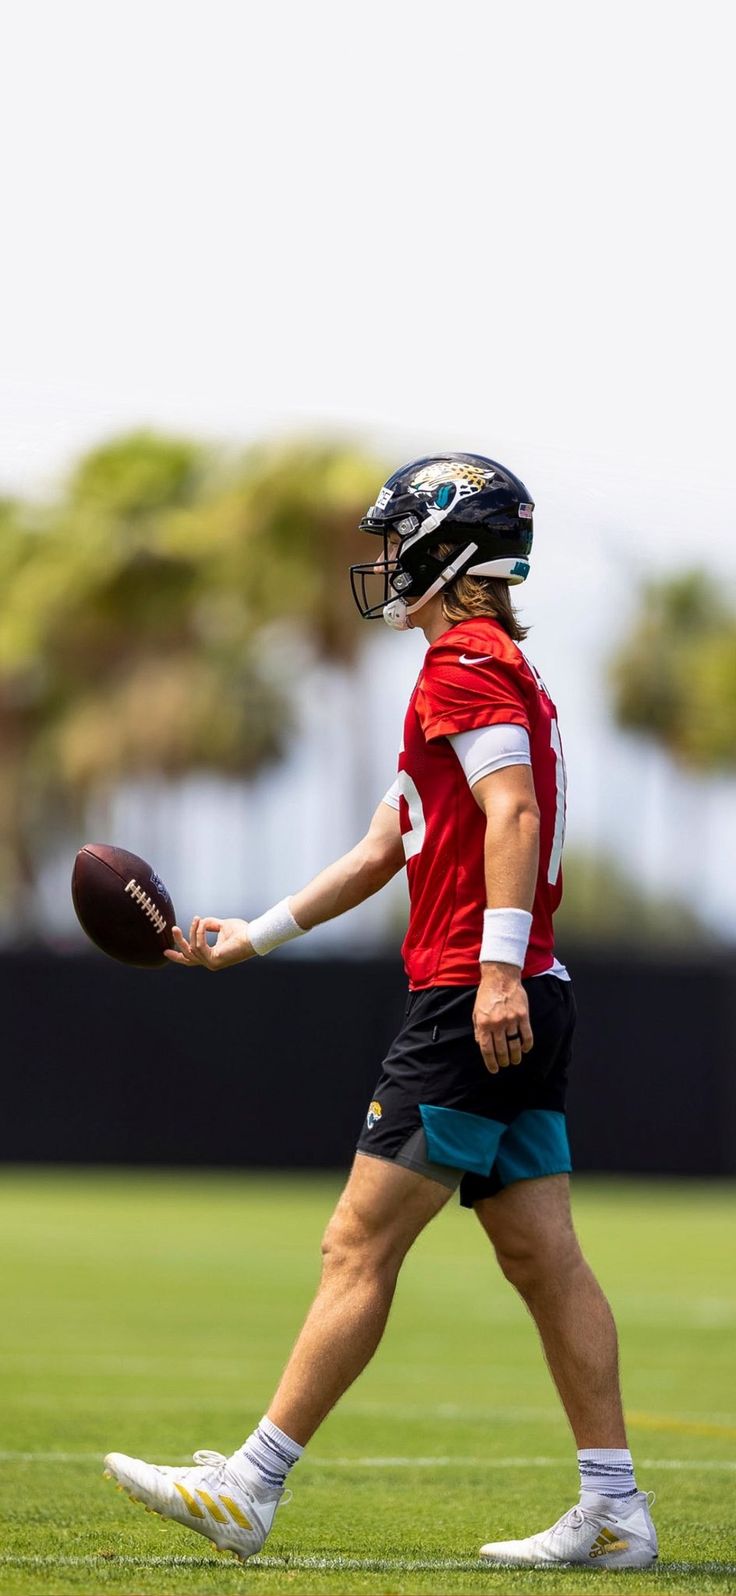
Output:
[[236, 1512], [188, 1500], [607, 1542], [213, 1508]]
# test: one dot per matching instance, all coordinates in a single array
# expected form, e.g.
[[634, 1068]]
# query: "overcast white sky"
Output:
[[488, 224], [505, 227]]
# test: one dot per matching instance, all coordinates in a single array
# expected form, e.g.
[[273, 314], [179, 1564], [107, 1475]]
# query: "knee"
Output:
[[535, 1264], [354, 1245]]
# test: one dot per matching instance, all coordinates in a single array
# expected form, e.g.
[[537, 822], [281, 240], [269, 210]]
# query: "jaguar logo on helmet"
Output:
[[469, 478]]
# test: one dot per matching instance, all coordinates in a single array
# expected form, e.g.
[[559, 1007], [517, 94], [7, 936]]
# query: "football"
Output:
[[122, 905]]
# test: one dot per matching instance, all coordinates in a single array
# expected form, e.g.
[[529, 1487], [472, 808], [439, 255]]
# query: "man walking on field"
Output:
[[472, 1092]]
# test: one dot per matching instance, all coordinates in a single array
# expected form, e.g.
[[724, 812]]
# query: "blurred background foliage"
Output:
[[144, 621], [603, 904], [154, 611], [674, 675]]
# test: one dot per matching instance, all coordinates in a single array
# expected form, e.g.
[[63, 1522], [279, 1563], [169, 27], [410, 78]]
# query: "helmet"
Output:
[[463, 499]]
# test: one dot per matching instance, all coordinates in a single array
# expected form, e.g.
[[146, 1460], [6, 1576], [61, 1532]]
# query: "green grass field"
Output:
[[151, 1314]]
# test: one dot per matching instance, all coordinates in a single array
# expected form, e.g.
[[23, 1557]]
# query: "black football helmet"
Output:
[[467, 500]]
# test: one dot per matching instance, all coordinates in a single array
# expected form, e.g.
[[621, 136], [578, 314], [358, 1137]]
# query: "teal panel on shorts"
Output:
[[534, 1144], [464, 1141]]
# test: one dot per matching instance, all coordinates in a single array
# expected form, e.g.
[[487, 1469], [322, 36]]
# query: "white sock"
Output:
[[270, 1453], [606, 1471]]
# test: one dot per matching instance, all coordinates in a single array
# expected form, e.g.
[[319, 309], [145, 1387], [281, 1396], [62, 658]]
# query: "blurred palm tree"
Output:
[[674, 675], [140, 618]]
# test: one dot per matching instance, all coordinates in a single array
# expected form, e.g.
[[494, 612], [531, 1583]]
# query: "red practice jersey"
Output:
[[473, 676]]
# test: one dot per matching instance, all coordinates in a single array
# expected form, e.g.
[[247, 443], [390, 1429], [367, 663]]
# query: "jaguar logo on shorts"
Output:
[[374, 1114]]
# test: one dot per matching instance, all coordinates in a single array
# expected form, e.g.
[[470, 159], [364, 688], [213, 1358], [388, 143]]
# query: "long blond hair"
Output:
[[479, 595]]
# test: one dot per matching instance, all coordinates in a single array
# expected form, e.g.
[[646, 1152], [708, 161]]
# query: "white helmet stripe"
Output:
[[508, 569]]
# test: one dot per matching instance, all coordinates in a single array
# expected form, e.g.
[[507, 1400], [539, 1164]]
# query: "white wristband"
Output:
[[277, 925], [505, 936]]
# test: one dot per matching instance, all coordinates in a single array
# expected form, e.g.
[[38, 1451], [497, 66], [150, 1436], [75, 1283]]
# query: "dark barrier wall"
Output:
[[274, 1063]]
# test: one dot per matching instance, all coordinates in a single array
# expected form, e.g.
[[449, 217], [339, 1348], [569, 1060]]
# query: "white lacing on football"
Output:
[[147, 905]]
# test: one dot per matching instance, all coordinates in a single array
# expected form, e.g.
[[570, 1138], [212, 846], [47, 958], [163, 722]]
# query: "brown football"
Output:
[[122, 905]]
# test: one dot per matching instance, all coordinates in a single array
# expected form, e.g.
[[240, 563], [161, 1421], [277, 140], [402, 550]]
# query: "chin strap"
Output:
[[396, 613]]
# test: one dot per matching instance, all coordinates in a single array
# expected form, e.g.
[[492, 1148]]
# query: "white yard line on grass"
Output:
[[444, 1462], [340, 1565]]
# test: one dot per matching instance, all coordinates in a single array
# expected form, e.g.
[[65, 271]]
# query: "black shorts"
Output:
[[438, 1110]]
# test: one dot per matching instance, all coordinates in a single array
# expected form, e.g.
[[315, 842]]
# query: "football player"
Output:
[[471, 1095]]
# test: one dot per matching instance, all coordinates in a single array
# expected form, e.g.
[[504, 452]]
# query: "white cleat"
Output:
[[229, 1505], [609, 1532]]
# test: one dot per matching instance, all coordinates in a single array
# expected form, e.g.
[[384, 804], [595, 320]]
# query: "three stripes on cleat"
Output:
[[193, 1507]]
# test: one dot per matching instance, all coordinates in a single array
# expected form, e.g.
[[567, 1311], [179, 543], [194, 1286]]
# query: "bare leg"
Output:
[[380, 1213], [531, 1229]]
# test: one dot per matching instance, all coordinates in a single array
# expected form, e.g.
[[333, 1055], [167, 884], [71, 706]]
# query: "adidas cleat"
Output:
[[609, 1532], [228, 1505]]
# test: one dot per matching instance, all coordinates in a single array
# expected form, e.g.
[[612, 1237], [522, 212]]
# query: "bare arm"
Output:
[[509, 803], [341, 886]]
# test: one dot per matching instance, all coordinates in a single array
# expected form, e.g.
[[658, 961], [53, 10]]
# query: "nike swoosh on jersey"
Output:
[[474, 659]]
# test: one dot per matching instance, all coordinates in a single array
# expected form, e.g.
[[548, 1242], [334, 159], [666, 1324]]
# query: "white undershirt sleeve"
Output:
[[392, 796], [490, 748]]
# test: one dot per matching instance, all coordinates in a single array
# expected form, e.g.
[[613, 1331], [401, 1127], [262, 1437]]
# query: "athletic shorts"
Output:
[[437, 1110]]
